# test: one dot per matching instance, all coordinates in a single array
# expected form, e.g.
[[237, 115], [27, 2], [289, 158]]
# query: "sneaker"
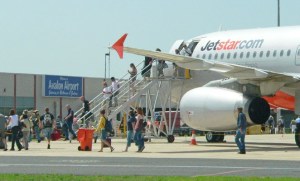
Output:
[[141, 150], [39, 141], [48, 146], [5, 149], [12, 149]]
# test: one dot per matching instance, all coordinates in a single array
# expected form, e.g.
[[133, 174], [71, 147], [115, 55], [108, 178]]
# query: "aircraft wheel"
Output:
[[297, 137], [79, 148], [171, 138], [210, 137], [87, 148]]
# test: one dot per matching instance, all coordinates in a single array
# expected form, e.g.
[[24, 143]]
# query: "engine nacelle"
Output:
[[215, 109]]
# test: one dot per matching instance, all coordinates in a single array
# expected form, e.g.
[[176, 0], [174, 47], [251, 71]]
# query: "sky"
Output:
[[70, 37]]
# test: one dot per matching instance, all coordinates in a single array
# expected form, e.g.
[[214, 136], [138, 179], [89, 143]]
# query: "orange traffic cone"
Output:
[[193, 140]]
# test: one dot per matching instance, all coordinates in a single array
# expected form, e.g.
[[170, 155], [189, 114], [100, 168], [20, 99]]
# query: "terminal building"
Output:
[[31, 91]]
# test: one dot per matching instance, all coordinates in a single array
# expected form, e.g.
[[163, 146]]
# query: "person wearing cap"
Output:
[[35, 118], [69, 120], [48, 124], [241, 131], [26, 129]]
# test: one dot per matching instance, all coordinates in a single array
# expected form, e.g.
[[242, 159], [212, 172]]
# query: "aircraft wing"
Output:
[[245, 73]]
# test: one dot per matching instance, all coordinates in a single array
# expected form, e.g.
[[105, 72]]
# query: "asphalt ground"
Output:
[[267, 155]]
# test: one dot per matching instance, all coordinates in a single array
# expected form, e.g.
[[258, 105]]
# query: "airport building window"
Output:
[[274, 53], [228, 55], [248, 55], [222, 55], [209, 56], [216, 56], [288, 53], [254, 54], [281, 53], [241, 54], [234, 55], [268, 53]]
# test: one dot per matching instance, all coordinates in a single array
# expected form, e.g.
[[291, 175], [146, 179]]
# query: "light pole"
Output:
[[278, 13], [107, 54]]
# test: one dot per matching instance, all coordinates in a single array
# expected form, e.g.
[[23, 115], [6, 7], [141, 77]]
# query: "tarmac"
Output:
[[262, 147]]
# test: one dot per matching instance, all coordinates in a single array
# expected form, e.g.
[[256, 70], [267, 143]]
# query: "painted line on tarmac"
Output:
[[148, 166], [224, 173]]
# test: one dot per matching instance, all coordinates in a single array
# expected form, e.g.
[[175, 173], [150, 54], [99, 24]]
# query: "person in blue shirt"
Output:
[[241, 131], [297, 121]]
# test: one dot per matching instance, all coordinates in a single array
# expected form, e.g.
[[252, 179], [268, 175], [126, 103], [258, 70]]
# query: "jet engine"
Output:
[[215, 109]]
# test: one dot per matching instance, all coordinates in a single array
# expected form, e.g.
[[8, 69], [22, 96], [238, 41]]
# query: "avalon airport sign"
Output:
[[62, 86]]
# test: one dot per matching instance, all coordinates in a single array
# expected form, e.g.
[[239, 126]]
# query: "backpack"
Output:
[[108, 126], [47, 121]]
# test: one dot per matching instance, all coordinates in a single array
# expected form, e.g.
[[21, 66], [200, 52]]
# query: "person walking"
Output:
[[69, 121], [241, 131], [107, 93], [138, 137], [130, 125], [13, 124], [101, 127], [47, 124], [26, 129], [35, 119], [3, 125]]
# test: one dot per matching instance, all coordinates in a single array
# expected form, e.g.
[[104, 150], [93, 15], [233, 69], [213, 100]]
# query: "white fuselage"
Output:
[[274, 49]]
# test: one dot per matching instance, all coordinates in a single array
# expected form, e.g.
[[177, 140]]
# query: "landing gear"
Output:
[[297, 137], [171, 138], [214, 137]]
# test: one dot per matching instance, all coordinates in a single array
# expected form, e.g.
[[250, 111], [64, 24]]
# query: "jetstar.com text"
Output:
[[230, 45]]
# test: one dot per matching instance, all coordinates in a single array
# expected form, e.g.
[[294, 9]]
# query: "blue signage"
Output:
[[62, 86]]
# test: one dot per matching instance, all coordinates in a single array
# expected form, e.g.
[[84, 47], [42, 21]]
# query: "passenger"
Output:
[[47, 124], [3, 134], [241, 131], [14, 126], [115, 90], [130, 125], [69, 121], [271, 124], [175, 70], [280, 125], [26, 129], [101, 127], [86, 108], [35, 119], [146, 72], [138, 137], [107, 93], [297, 121], [132, 78]]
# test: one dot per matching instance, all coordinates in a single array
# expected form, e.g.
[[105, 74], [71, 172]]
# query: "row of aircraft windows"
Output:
[[248, 54]]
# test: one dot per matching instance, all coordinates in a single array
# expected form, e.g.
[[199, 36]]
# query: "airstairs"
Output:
[[150, 93]]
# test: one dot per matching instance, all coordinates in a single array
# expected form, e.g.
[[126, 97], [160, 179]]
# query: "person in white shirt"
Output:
[[14, 126], [107, 93], [115, 90]]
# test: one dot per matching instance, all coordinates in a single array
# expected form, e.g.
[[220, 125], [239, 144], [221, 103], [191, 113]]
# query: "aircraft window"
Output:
[[241, 54], [288, 53], [234, 55], [216, 56], [209, 56], [254, 54], [274, 53], [228, 55], [222, 55], [298, 52], [261, 54], [281, 53], [248, 54], [268, 53], [203, 56]]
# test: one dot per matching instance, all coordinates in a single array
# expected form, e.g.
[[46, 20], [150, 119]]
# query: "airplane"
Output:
[[262, 67]]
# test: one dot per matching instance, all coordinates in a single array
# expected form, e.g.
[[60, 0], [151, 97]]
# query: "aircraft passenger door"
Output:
[[297, 59]]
